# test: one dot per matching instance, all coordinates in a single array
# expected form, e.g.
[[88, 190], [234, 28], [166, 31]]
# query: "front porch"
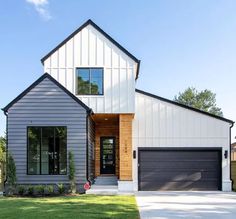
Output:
[[112, 150]]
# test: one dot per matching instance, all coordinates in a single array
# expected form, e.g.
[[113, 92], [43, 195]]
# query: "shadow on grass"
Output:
[[85, 206]]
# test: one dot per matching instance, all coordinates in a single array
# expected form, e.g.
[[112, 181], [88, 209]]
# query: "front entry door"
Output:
[[108, 155]]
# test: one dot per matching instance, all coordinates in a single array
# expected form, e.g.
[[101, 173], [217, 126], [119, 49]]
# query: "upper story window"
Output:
[[89, 81]]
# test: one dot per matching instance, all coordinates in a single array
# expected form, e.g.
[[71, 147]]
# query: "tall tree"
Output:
[[203, 100], [2, 148]]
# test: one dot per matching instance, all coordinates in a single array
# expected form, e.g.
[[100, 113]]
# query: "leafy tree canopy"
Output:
[[203, 100], [2, 149]]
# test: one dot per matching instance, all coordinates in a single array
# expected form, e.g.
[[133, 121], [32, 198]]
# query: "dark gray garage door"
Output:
[[179, 169]]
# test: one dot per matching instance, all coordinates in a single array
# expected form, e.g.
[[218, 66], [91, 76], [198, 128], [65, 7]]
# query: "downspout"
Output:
[[87, 116], [6, 114], [230, 154], [89, 112]]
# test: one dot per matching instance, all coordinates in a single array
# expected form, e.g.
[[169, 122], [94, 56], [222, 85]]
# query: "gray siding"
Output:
[[91, 148], [47, 105]]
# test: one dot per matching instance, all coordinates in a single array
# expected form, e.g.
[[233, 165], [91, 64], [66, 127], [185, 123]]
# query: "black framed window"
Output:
[[89, 81], [47, 150]]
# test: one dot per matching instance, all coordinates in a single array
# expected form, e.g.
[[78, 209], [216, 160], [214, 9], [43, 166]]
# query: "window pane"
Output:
[[33, 168], [47, 149], [60, 150], [96, 81], [62, 168], [34, 150], [83, 81]]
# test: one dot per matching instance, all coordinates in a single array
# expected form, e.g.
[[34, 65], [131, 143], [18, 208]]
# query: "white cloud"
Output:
[[41, 6]]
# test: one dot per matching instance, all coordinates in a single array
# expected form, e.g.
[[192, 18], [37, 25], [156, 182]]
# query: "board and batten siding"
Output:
[[47, 105], [89, 48], [161, 124]]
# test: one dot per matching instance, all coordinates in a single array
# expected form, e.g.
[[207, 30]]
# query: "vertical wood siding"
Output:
[[89, 48], [125, 126], [233, 173], [47, 105]]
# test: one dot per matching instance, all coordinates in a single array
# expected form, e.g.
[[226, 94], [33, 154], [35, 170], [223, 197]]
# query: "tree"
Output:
[[203, 100], [2, 149], [72, 172]]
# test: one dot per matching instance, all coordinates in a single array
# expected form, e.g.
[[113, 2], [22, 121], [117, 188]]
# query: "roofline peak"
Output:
[[90, 22]]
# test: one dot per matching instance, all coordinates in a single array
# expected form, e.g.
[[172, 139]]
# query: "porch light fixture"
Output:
[[134, 154], [226, 154]]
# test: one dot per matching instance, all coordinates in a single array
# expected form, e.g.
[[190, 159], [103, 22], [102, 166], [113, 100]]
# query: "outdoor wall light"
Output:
[[134, 154], [226, 154]]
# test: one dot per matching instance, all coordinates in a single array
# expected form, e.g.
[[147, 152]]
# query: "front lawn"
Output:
[[84, 206]]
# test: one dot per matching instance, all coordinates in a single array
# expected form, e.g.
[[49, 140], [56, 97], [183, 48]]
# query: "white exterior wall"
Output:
[[161, 124], [89, 48]]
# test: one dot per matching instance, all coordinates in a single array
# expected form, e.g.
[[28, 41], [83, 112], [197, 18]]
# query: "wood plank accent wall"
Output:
[[233, 173], [233, 151], [125, 126], [103, 130]]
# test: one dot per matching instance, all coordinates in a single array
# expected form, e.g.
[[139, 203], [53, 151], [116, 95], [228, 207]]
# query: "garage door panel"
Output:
[[196, 164], [179, 176], [182, 155], [178, 186], [181, 170]]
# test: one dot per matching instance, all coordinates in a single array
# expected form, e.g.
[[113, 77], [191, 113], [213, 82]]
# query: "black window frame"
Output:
[[40, 160], [89, 68]]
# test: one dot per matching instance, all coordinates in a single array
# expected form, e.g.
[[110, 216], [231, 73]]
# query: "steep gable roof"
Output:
[[90, 22], [184, 106], [44, 76]]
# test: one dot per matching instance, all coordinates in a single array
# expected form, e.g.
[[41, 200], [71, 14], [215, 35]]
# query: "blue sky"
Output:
[[180, 43]]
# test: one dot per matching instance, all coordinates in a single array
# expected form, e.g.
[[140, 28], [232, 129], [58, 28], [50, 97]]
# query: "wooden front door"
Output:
[[108, 155]]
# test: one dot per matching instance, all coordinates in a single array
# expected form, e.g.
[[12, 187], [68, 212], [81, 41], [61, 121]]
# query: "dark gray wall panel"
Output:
[[47, 105]]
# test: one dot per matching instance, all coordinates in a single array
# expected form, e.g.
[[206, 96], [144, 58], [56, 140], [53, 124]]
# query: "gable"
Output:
[[159, 122], [182, 106], [89, 45], [45, 89]]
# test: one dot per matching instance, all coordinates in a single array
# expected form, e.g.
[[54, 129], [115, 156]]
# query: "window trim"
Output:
[[27, 151], [76, 83]]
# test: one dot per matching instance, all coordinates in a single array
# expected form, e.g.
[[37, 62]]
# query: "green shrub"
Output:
[[21, 190], [11, 174], [72, 173], [31, 190], [61, 188], [40, 189], [49, 189]]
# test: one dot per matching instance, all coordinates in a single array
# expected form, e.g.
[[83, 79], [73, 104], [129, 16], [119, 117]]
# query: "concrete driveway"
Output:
[[163, 205]]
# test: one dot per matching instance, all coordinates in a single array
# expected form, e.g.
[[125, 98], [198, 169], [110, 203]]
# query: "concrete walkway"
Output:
[[174, 205]]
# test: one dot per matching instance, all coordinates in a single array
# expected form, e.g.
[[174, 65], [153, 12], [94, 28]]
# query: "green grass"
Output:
[[84, 206]]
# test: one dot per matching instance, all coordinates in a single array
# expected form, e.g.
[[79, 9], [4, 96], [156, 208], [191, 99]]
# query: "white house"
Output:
[[87, 103]]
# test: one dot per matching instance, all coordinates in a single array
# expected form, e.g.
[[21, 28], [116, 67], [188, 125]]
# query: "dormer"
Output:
[[95, 68]]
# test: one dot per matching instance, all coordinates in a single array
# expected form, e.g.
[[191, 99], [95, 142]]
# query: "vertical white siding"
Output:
[[162, 124], [89, 48]]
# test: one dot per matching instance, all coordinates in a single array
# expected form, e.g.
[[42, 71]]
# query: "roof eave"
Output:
[[46, 75]]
